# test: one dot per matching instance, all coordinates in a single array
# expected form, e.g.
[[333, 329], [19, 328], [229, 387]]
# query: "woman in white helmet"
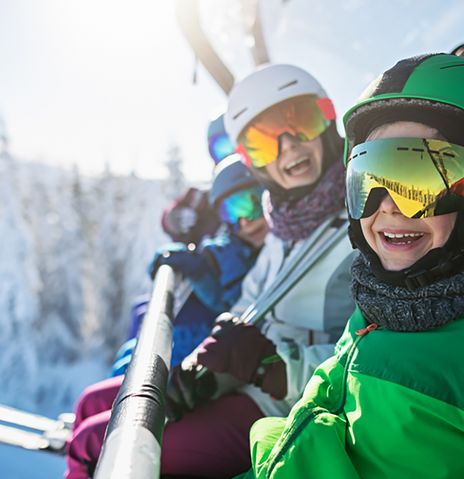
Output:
[[283, 123]]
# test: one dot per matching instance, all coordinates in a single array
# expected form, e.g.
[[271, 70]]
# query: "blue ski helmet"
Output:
[[230, 175], [219, 144]]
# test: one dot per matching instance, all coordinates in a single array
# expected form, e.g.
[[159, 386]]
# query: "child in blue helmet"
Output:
[[194, 219], [216, 267]]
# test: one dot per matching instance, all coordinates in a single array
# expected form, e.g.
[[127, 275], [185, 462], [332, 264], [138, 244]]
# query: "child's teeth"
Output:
[[402, 235]]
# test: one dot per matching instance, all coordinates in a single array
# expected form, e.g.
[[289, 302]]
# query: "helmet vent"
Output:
[[241, 112], [291, 83]]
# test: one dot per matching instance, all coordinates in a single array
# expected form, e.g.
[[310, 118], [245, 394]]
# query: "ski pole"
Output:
[[132, 445], [14, 436], [26, 419], [33, 431], [182, 294], [298, 261], [255, 314]]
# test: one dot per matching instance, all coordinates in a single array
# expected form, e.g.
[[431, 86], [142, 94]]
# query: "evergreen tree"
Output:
[[175, 182], [19, 289]]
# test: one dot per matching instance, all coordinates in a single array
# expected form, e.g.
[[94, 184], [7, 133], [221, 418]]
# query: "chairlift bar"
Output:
[[132, 445]]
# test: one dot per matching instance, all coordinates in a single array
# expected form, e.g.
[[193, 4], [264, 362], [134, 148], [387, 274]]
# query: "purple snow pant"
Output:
[[212, 441]]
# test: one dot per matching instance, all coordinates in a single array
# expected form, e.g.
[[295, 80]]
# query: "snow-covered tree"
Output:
[[74, 252], [19, 294], [175, 182]]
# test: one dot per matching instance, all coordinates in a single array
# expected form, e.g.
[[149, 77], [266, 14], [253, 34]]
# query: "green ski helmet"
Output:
[[427, 89]]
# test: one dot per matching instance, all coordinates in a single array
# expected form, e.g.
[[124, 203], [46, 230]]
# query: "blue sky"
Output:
[[90, 82]]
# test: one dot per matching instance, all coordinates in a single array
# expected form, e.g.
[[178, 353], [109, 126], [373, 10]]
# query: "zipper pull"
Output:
[[367, 329]]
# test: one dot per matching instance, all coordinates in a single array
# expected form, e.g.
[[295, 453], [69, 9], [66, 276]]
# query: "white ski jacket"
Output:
[[307, 322]]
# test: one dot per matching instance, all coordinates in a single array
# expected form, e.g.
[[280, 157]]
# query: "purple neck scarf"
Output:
[[296, 220]]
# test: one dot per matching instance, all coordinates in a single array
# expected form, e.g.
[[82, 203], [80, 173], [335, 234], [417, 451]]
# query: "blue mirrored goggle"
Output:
[[220, 146], [242, 204]]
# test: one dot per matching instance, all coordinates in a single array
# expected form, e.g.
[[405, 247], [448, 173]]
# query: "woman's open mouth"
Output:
[[298, 167]]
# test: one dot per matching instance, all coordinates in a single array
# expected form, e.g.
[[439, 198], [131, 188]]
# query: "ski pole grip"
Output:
[[132, 445]]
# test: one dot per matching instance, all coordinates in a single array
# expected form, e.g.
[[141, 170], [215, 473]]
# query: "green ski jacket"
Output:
[[387, 405]]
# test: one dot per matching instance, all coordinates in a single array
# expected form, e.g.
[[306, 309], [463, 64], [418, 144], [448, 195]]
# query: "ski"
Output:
[[19, 437], [30, 420], [257, 315], [33, 431], [50, 441], [300, 265]]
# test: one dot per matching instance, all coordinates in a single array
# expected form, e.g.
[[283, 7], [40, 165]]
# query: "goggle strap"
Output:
[[442, 270]]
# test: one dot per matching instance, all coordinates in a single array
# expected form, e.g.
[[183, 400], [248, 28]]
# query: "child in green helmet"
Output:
[[390, 403]]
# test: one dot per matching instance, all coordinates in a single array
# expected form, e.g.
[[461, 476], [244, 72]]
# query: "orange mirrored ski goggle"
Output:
[[304, 117]]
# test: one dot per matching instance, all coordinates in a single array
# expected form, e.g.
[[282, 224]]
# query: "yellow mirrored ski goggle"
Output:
[[424, 177]]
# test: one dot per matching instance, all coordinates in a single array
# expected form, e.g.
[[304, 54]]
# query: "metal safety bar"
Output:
[[132, 445]]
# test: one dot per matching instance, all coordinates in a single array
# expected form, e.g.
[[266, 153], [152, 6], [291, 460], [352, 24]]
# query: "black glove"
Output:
[[187, 389]]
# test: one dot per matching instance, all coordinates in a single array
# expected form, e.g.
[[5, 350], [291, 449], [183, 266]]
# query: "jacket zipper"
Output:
[[367, 329], [360, 333]]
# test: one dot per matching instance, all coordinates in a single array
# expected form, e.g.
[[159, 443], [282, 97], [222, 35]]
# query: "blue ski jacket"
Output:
[[229, 259], [215, 270]]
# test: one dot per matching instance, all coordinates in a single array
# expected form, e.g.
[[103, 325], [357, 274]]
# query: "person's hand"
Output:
[[241, 350], [187, 389], [183, 258], [190, 218]]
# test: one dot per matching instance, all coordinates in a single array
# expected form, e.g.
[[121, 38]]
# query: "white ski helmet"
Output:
[[263, 89]]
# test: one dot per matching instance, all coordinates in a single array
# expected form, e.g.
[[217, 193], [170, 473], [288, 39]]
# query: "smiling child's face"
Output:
[[399, 241]]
